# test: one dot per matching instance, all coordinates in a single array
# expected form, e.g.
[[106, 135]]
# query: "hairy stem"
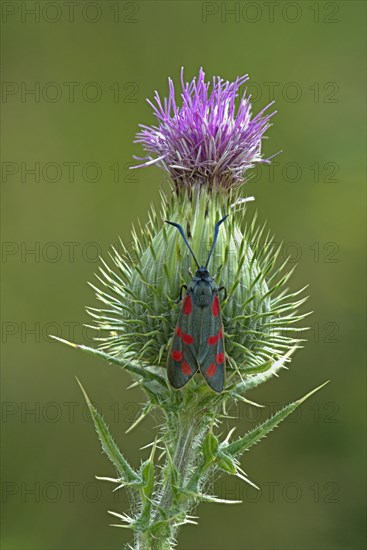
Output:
[[182, 457], [162, 527]]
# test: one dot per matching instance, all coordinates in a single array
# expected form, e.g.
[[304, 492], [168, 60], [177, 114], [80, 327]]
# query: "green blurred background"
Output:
[[92, 64]]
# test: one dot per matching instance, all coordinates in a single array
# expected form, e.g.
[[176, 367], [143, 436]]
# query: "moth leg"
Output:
[[180, 297], [225, 291]]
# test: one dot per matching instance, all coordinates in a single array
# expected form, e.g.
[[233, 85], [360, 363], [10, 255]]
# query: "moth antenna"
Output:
[[177, 225], [216, 230]]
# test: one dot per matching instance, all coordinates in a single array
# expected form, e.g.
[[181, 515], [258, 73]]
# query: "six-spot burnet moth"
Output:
[[198, 341]]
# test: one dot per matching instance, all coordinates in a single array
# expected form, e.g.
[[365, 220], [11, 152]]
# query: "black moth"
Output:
[[198, 342]]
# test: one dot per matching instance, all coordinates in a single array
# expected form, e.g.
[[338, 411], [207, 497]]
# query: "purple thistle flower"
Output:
[[206, 141]]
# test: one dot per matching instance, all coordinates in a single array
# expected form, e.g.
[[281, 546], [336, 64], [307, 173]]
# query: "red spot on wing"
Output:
[[187, 338], [176, 355], [220, 358], [212, 369], [212, 340], [185, 368], [187, 305], [215, 306]]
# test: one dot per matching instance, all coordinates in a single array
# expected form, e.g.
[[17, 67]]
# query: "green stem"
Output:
[[182, 457], [160, 532]]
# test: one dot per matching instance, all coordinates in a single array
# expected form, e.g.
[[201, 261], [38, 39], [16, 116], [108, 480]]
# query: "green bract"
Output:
[[140, 285]]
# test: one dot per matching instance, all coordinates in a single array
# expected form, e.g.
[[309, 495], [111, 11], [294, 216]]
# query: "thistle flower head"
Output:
[[207, 141]]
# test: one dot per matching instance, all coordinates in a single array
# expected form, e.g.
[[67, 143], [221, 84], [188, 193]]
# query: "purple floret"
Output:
[[207, 140]]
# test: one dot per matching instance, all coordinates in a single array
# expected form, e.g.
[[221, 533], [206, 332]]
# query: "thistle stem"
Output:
[[182, 457], [159, 534]]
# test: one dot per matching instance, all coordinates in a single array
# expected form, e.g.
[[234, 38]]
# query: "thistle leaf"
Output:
[[255, 435], [134, 369], [256, 379], [210, 447], [147, 474], [108, 445]]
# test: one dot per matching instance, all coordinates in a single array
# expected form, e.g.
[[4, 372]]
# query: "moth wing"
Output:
[[182, 364], [212, 357]]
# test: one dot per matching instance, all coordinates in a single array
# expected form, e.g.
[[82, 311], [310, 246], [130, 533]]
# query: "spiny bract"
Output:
[[140, 289]]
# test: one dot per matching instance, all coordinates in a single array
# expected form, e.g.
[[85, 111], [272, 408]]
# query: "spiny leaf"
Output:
[[134, 369], [108, 444], [259, 368], [255, 435], [147, 474], [256, 379]]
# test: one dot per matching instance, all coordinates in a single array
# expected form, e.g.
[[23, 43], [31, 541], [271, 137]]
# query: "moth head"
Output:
[[202, 272]]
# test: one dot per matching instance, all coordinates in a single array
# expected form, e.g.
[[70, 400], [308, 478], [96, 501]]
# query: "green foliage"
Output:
[[254, 436], [140, 290], [134, 328], [124, 469], [167, 492]]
